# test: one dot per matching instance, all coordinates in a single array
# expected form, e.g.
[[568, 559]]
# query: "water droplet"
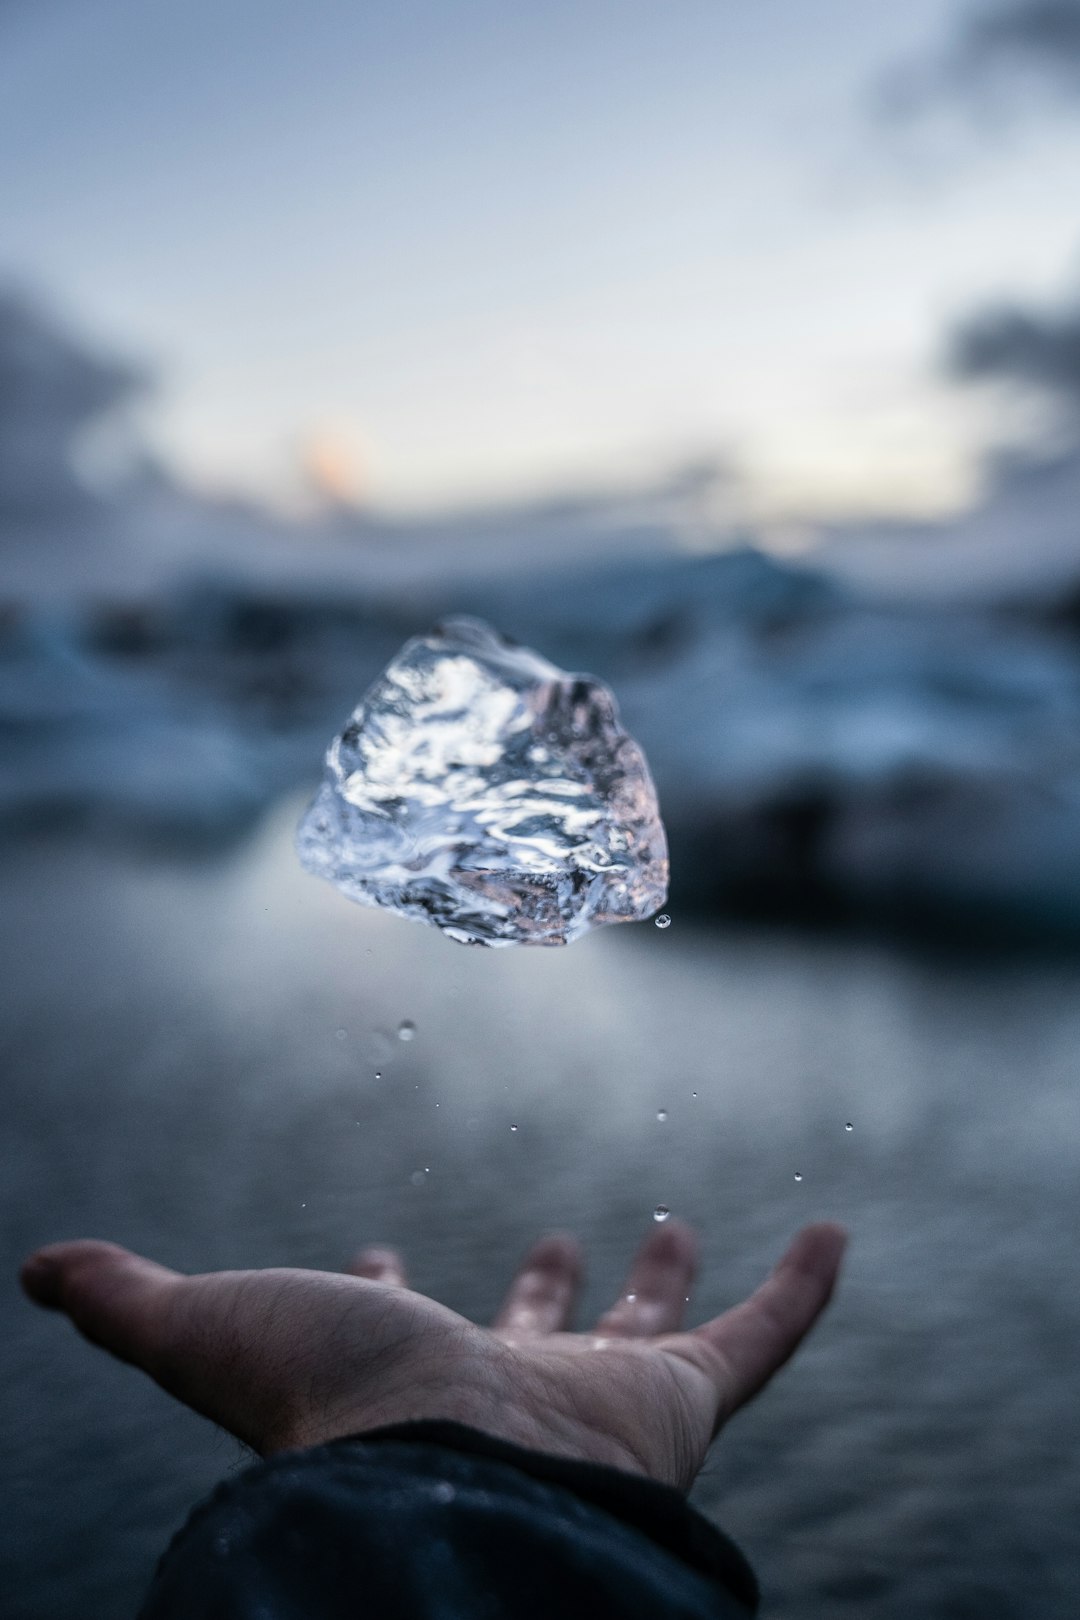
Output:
[[661, 1115], [513, 1127], [663, 921], [342, 1034], [798, 1175], [630, 1298], [661, 1212], [378, 1074], [849, 1126], [406, 1030], [693, 1094], [444, 1492], [303, 1206]]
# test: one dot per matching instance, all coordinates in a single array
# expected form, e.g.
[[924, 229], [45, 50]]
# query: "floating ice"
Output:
[[481, 789]]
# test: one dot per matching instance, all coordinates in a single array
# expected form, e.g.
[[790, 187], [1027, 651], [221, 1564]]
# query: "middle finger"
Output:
[[542, 1294]]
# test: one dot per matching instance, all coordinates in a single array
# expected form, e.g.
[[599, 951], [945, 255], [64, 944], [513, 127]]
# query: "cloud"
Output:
[[52, 389], [1021, 45], [1031, 349], [1033, 37]]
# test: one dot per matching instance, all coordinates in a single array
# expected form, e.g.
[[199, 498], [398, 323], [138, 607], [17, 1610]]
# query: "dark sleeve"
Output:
[[435, 1521]]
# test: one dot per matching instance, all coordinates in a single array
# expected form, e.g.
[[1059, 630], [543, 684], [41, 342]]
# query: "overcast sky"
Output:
[[458, 250]]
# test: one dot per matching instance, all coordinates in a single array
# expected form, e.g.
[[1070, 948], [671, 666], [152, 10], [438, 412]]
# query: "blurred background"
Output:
[[729, 353]]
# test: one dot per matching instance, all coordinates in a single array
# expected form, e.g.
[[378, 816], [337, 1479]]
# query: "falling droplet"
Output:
[[513, 1127], [303, 1206], [630, 1298], [661, 1115], [661, 1212], [663, 921], [444, 1492], [378, 1074], [693, 1094], [849, 1126], [406, 1030], [798, 1175]]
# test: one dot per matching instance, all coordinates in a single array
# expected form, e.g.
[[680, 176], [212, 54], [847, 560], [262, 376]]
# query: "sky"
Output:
[[435, 254]]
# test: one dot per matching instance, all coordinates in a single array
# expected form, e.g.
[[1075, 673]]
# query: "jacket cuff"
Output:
[[657, 1511]]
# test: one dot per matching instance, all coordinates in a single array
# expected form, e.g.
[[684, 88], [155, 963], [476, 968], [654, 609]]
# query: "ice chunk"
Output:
[[481, 789]]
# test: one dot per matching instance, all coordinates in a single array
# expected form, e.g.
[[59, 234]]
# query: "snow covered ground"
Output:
[[816, 750], [890, 728]]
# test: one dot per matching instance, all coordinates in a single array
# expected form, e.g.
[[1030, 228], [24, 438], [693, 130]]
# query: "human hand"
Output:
[[289, 1358]]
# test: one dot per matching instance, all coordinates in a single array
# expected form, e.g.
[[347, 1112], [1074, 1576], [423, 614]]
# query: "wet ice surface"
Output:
[[174, 1081], [480, 788]]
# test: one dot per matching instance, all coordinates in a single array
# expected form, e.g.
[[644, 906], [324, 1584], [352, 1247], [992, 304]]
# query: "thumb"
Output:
[[115, 1298], [190, 1334], [753, 1340], [244, 1348]]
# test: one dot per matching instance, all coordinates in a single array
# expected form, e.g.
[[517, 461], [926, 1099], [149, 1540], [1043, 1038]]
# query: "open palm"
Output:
[[286, 1358]]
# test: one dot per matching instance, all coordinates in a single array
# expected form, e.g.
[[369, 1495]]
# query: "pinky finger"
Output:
[[752, 1341]]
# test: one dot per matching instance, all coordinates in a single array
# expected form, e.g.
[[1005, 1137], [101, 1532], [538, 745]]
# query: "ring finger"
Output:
[[655, 1293]]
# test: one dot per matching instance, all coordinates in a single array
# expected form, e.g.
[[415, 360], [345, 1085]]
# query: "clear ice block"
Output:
[[479, 788]]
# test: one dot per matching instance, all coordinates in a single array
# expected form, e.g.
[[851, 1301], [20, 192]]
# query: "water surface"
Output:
[[191, 1055]]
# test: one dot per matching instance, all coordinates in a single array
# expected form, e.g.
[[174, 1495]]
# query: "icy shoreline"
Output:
[[816, 752]]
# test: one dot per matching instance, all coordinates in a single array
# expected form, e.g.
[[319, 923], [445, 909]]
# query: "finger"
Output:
[[654, 1297], [115, 1298], [542, 1295], [228, 1343], [754, 1339], [379, 1265]]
